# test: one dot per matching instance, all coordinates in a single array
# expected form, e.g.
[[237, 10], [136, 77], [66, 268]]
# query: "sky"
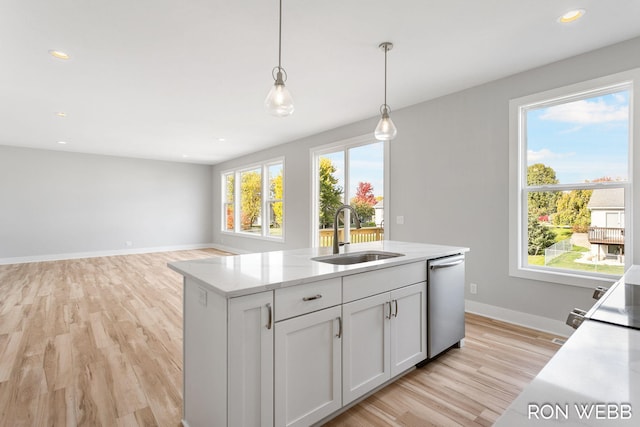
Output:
[[581, 140]]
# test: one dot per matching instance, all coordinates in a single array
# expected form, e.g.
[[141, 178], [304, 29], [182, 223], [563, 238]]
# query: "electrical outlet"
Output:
[[400, 219], [473, 288], [128, 243], [202, 297]]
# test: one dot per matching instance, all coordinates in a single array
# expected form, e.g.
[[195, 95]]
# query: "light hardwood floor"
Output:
[[98, 342]]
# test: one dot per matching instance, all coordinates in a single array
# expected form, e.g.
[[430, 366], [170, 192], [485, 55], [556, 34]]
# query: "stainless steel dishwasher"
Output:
[[445, 304]]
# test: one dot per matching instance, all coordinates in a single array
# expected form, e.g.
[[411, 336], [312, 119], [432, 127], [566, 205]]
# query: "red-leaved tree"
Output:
[[364, 193], [364, 201]]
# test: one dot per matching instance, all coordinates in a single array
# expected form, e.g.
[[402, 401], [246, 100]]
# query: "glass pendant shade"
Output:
[[279, 101], [386, 130]]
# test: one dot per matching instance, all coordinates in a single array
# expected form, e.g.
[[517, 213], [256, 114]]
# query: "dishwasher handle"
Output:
[[445, 265]]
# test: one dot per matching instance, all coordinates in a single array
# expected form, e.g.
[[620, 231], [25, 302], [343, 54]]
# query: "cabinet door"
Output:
[[308, 367], [365, 347], [408, 327], [250, 400]]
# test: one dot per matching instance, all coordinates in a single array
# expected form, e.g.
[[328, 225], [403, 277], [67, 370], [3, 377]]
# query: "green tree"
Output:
[[364, 201], [540, 236], [572, 210], [277, 192], [250, 198], [541, 202], [330, 193], [364, 210]]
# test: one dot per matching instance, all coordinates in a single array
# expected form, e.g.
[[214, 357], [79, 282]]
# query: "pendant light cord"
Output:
[[280, 39], [386, 49]]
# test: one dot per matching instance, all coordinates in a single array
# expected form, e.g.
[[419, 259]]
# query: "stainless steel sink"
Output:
[[356, 257]]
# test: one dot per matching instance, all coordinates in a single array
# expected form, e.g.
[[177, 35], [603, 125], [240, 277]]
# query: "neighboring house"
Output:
[[606, 233], [379, 213]]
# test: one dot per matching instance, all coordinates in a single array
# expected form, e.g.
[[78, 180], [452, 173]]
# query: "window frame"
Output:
[[344, 145], [518, 189], [264, 200]]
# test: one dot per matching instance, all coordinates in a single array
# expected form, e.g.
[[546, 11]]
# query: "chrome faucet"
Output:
[[336, 244]]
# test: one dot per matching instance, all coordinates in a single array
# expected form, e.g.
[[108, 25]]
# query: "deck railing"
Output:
[[357, 235], [606, 236]]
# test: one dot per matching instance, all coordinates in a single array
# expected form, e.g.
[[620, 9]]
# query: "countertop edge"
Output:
[[431, 251]]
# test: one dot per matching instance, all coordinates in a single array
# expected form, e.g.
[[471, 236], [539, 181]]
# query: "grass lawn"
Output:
[[536, 259], [561, 234], [568, 259]]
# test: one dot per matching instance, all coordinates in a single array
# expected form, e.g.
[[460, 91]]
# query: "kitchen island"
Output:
[[279, 338]]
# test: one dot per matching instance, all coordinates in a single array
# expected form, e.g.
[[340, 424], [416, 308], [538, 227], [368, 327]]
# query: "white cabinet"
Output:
[[295, 355], [250, 399], [365, 347], [384, 335], [408, 327], [308, 367], [228, 358]]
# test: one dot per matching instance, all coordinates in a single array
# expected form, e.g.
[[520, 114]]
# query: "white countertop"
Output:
[[599, 364], [593, 380], [238, 275]]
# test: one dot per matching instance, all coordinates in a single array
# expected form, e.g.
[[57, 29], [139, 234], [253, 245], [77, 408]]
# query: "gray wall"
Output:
[[449, 170], [56, 202]]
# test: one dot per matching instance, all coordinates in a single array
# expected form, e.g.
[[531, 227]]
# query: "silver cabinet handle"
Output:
[[312, 298], [388, 316], [449, 264], [396, 303], [339, 327], [270, 321]]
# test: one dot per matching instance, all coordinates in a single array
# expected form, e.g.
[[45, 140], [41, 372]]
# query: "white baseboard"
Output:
[[532, 321], [95, 254], [230, 249]]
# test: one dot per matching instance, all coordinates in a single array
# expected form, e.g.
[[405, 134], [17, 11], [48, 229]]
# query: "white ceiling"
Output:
[[165, 79]]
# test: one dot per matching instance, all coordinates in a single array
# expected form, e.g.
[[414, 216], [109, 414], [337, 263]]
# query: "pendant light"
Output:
[[279, 101], [386, 130]]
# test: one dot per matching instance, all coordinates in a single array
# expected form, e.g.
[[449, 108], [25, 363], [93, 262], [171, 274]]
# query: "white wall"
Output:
[[450, 180], [56, 204]]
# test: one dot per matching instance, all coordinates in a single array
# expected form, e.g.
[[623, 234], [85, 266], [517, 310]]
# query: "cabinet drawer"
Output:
[[362, 285], [301, 299]]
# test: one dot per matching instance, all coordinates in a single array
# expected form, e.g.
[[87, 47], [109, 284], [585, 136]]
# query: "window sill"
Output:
[[563, 277], [254, 236]]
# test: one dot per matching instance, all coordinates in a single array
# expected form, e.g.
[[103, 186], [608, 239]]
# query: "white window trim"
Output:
[[344, 144], [517, 158], [264, 168]]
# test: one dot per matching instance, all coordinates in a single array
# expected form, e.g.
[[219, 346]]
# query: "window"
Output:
[[351, 172], [229, 191], [253, 200], [570, 187], [275, 199]]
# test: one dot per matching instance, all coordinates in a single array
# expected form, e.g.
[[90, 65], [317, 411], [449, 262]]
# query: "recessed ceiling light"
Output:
[[184, 156], [221, 139], [61, 114], [59, 54], [572, 15], [62, 142]]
